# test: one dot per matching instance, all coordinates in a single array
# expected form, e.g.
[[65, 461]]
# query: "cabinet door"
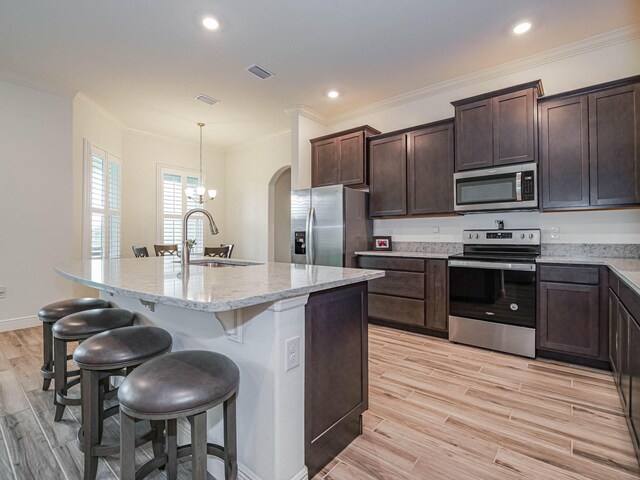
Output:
[[437, 317], [351, 169], [624, 320], [634, 376], [430, 170], [514, 128], [569, 320], [614, 138], [614, 341], [474, 135], [564, 152], [388, 176], [325, 156]]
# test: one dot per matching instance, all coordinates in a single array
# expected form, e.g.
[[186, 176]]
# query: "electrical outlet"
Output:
[[3, 292], [292, 352]]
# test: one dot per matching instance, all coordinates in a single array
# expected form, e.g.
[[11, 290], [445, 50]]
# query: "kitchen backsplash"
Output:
[[620, 250]]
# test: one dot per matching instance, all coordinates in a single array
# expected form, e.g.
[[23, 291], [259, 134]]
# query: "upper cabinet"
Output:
[[411, 171], [497, 128], [340, 158], [590, 147]]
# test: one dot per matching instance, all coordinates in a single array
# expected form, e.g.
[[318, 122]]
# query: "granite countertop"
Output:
[[209, 289], [386, 253]]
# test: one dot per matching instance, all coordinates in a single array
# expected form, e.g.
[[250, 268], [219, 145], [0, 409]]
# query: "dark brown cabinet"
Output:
[[624, 310], [340, 158], [614, 145], [564, 152], [388, 176], [336, 371], [411, 172], [430, 170], [497, 128], [413, 294], [590, 147], [573, 313]]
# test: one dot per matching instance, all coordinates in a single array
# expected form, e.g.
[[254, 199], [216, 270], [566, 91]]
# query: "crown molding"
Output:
[[586, 45], [36, 84], [99, 109], [304, 111]]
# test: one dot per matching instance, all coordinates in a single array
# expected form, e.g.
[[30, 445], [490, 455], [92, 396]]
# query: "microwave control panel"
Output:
[[528, 186]]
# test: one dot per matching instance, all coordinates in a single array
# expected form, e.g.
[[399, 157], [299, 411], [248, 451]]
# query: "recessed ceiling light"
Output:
[[210, 23], [522, 28], [333, 94]]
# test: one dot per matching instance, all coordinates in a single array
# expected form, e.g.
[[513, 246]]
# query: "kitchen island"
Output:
[[298, 334]]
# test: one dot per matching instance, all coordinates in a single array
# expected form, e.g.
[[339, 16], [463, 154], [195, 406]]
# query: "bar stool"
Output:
[[176, 385], [76, 328], [113, 353], [50, 314]]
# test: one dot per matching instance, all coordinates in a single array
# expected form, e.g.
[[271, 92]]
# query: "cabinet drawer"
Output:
[[394, 309], [630, 300], [401, 284], [566, 274], [406, 264], [614, 282]]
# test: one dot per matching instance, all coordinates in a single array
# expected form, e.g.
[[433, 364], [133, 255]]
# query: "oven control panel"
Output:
[[501, 237]]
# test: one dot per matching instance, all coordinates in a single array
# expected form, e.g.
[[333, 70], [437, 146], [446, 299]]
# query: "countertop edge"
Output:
[[213, 307]]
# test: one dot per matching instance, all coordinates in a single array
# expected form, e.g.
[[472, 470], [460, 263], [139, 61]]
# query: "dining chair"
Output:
[[230, 245], [222, 252], [166, 250], [139, 252]]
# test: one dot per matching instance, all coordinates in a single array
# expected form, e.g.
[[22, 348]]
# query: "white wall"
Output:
[[565, 73], [249, 169], [36, 198], [281, 212], [143, 153]]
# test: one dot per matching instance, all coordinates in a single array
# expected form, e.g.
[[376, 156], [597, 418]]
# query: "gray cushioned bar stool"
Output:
[[49, 315], [76, 328], [180, 384], [113, 353]]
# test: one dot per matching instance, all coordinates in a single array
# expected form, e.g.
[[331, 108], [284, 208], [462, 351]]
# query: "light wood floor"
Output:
[[445, 411], [437, 411], [32, 445]]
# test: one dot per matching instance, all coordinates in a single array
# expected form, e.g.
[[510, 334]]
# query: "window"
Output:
[[173, 204], [103, 203]]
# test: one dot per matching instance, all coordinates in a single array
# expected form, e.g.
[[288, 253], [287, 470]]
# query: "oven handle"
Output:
[[523, 267]]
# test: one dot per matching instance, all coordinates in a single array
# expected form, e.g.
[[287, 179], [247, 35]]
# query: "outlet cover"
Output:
[[292, 353]]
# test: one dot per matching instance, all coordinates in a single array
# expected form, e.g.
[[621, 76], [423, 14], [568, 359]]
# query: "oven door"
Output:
[[493, 291], [495, 189]]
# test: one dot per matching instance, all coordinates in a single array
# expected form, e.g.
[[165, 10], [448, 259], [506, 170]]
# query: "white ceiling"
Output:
[[145, 60]]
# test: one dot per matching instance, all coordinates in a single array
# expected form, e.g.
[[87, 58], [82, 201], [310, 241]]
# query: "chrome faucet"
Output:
[[185, 241]]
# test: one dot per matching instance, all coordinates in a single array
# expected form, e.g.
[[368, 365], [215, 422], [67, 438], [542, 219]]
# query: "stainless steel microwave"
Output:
[[514, 187]]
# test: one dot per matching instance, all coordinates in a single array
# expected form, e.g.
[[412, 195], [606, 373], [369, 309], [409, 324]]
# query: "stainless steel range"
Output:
[[492, 290]]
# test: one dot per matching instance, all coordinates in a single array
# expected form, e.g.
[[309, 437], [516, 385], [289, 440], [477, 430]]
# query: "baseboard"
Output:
[[18, 323]]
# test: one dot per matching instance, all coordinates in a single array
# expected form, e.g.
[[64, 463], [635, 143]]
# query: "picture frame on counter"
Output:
[[382, 243]]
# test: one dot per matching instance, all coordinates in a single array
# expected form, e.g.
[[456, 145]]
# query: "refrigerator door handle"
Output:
[[310, 236]]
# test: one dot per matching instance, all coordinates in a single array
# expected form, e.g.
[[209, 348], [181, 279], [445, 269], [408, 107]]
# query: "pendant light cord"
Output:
[[201, 125]]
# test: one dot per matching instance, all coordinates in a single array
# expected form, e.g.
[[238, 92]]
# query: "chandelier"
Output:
[[198, 194]]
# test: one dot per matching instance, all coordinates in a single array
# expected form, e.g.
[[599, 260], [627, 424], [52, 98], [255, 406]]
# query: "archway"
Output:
[[280, 216]]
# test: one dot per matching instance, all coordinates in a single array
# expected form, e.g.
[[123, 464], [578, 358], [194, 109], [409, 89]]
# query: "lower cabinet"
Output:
[[572, 314], [624, 312], [336, 372], [412, 295]]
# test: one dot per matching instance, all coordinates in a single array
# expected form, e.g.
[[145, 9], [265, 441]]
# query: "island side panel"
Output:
[[270, 403], [336, 373]]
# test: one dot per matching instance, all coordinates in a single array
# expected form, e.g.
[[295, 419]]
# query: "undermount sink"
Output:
[[220, 263]]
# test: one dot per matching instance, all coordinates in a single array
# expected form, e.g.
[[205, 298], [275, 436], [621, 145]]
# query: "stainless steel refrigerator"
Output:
[[329, 224]]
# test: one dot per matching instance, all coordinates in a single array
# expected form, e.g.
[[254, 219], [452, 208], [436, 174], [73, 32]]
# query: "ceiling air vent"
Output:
[[259, 72], [206, 99]]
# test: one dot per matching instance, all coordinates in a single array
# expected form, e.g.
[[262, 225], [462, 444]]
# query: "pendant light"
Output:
[[197, 194]]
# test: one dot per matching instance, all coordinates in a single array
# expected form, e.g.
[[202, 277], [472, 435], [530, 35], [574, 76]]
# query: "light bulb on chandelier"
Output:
[[198, 194]]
